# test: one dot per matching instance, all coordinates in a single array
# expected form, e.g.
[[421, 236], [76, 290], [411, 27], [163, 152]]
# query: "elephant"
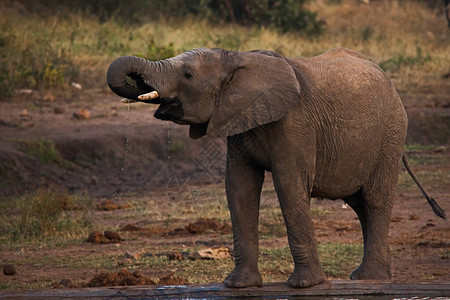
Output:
[[329, 126]]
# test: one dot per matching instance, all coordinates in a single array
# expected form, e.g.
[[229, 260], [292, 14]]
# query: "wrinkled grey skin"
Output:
[[330, 126]]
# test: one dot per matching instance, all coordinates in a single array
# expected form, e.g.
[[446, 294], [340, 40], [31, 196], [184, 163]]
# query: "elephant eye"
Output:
[[187, 75]]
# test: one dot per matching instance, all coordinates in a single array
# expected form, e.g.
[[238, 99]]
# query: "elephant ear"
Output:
[[261, 89]]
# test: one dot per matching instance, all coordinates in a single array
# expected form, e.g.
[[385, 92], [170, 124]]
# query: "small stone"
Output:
[[113, 236], [221, 252], [24, 113], [77, 86], [97, 237], [107, 205], [82, 114], [59, 110], [9, 270], [49, 97]]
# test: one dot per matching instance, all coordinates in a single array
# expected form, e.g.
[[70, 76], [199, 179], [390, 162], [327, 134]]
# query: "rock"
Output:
[[24, 113], [49, 97], [97, 237], [82, 114], [221, 252], [59, 110], [202, 225], [77, 86], [107, 205], [113, 236], [9, 270], [123, 277]]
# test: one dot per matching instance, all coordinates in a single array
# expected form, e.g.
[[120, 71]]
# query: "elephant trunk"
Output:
[[128, 76]]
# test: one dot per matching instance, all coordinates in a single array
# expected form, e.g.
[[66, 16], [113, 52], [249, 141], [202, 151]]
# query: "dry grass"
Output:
[[79, 48]]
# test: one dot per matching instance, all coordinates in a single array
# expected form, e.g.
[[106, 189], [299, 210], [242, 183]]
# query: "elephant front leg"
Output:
[[243, 185], [294, 198]]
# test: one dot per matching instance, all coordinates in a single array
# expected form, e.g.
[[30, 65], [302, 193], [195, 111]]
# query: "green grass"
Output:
[[339, 260], [420, 147], [275, 264], [26, 285], [45, 151], [100, 261]]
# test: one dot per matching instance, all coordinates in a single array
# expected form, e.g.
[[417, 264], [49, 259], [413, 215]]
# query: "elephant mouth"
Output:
[[170, 109], [151, 97]]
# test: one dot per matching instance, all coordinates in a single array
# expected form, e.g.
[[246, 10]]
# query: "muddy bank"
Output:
[[107, 161], [120, 149]]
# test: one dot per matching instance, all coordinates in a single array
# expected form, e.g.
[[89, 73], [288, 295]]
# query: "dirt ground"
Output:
[[121, 153]]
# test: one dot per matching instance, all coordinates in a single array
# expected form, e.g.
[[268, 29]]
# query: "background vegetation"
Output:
[[49, 44]]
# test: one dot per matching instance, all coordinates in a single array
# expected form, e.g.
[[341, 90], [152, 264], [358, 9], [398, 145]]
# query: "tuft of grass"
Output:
[[338, 259], [419, 147], [26, 286], [45, 151], [42, 215], [394, 63]]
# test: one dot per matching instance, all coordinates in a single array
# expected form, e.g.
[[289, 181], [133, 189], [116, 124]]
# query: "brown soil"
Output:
[[121, 150], [123, 277]]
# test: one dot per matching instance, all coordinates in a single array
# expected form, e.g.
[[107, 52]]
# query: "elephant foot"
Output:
[[306, 278], [243, 277], [364, 272]]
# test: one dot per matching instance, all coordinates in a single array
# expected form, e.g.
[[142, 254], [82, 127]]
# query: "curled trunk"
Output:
[[127, 76]]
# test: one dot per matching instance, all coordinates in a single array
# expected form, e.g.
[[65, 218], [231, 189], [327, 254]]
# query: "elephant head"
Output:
[[215, 91]]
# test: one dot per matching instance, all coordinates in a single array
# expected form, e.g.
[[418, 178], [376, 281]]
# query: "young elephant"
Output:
[[330, 126]]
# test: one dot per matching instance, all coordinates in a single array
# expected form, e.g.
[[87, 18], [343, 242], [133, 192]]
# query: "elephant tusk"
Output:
[[149, 96], [125, 100]]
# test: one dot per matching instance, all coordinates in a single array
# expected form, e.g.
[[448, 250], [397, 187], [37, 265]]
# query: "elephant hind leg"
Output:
[[374, 213]]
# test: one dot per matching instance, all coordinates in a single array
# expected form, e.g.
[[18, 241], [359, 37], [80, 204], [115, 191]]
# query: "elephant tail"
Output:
[[434, 205]]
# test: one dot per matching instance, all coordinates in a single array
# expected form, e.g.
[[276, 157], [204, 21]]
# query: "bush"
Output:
[[286, 15], [42, 214], [45, 151], [35, 68]]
